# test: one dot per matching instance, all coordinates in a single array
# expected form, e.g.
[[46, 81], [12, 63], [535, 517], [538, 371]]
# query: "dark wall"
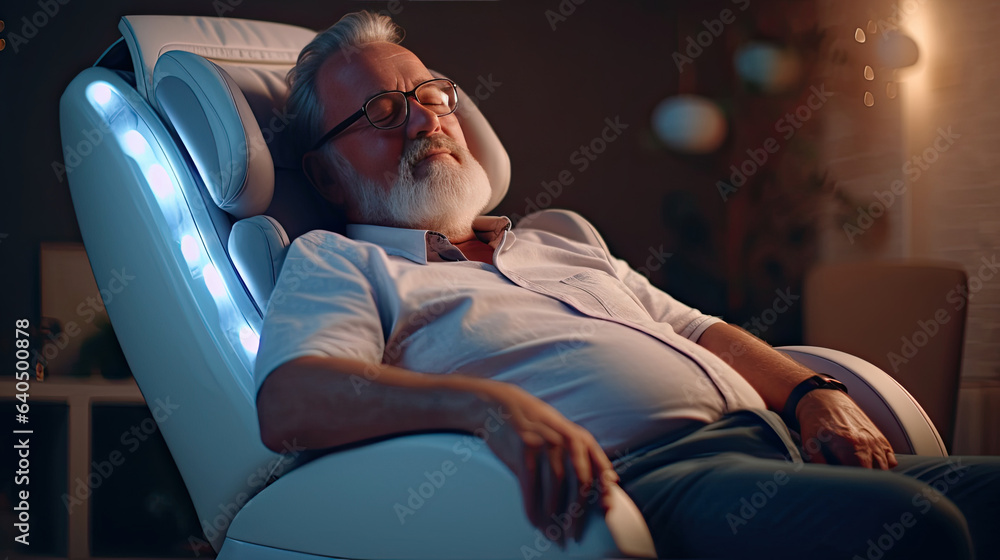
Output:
[[552, 91]]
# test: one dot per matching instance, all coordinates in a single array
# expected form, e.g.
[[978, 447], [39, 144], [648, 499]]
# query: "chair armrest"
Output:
[[423, 496], [893, 410]]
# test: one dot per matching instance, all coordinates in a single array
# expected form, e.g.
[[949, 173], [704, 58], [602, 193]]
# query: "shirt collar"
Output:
[[422, 245]]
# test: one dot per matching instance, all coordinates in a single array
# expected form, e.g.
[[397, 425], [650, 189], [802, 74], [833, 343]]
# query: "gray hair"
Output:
[[348, 34]]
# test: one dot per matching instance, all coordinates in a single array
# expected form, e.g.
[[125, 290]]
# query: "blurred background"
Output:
[[816, 171]]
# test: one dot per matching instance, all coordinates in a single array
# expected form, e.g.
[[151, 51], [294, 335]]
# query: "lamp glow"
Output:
[[135, 144], [190, 250], [214, 281]]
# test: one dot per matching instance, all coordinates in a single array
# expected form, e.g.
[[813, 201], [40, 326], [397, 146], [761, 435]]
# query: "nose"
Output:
[[422, 121]]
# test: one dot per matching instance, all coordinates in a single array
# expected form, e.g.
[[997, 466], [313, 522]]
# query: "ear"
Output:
[[323, 178]]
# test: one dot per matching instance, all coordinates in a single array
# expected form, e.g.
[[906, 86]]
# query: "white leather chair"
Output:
[[179, 172]]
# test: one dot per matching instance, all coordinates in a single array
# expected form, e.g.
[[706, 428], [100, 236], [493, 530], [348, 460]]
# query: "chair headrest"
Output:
[[231, 99], [209, 113]]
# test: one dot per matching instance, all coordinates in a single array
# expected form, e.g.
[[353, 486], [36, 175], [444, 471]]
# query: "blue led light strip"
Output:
[[134, 138]]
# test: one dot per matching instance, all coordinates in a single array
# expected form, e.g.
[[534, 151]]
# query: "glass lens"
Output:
[[438, 96], [387, 110]]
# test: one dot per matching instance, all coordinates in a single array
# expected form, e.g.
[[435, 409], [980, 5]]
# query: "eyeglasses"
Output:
[[389, 109]]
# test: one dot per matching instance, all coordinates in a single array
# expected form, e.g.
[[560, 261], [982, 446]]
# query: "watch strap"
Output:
[[801, 390]]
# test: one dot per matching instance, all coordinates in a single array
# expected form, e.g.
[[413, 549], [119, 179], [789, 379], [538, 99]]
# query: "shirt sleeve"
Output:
[[322, 305], [685, 320]]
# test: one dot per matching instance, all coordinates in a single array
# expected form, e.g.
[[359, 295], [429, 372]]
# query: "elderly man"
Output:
[[428, 316]]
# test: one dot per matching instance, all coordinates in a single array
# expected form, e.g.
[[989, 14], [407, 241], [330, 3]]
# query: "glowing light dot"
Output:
[[159, 181], [249, 339], [869, 73], [872, 28], [869, 99], [190, 249], [214, 280], [135, 143], [859, 35], [101, 93], [891, 90]]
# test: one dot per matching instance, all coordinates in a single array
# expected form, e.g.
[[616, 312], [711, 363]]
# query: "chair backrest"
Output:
[[907, 318], [173, 120]]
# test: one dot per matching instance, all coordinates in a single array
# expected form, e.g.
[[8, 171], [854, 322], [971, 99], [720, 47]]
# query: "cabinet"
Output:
[[102, 483]]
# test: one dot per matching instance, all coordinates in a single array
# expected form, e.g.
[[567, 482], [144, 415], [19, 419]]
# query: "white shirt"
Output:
[[556, 315]]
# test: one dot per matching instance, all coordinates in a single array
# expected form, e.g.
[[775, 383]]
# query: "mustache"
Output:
[[419, 148]]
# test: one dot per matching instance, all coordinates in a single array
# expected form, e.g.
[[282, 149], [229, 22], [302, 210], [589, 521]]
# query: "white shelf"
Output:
[[88, 388]]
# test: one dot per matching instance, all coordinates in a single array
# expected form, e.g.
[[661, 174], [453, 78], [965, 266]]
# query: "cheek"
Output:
[[454, 130], [373, 157]]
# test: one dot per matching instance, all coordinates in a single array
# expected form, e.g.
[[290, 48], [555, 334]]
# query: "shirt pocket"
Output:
[[606, 295]]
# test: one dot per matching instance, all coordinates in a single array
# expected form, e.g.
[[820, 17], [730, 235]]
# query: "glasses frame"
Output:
[[363, 111]]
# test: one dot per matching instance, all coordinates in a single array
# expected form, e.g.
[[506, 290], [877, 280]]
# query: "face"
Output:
[[420, 175]]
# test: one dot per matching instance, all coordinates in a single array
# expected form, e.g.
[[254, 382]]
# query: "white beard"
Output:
[[446, 200]]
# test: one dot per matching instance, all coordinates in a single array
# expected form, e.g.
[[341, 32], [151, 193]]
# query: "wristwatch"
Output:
[[800, 390]]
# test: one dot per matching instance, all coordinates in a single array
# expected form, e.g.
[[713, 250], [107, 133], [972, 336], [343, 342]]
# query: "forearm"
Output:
[[771, 373], [327, 402]]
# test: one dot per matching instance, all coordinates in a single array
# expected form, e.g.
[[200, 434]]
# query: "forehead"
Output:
[[348, 78]]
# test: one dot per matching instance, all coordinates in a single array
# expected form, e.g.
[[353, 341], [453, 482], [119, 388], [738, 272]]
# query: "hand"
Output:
[[836, 431], [556, 461]]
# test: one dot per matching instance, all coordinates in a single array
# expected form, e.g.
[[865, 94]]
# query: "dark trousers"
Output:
[[738, 488]]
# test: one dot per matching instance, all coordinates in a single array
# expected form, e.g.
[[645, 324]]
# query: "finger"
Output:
[[556, 497], [602, 457], [608, 483], [572, 511], [887, 459], [880, 462], [581, 474], [816, 456], [531, 490], [601, 462], [891, 456], [546, 490]]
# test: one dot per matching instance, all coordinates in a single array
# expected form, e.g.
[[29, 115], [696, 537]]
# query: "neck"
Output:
[[474, 249]]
